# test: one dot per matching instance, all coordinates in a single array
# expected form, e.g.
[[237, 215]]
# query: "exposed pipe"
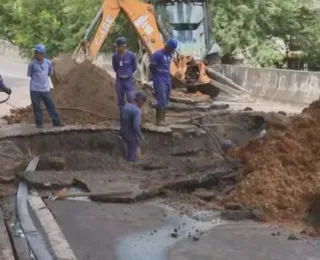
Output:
[[5, 100], [216, 140]]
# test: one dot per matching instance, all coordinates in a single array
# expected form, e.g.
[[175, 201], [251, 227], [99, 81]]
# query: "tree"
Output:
[[252, 26], [77, 25], [8, 19], [249, 26]]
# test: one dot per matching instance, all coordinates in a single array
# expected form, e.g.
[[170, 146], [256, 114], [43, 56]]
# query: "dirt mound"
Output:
[[197, 97], [85, 95], [282, 170]]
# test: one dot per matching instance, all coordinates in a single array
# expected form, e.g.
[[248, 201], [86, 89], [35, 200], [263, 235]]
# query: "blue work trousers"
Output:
[[36, 97], [124, 87], [162, 92], [131, 146]]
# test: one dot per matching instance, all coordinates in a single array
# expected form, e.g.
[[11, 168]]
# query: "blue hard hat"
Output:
[[227, 144], [40, 48], [121, 41], [140, 95], [172, 43]]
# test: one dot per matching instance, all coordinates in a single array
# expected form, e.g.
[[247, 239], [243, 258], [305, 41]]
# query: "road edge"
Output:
[[6, 247], [57, 240]]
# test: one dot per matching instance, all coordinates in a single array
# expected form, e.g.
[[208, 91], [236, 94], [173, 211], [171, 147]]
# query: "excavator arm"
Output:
[[139, 14], [185, 71]]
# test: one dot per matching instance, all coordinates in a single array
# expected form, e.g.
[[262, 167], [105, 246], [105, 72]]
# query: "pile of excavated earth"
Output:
[[84, 95], [281, 172]]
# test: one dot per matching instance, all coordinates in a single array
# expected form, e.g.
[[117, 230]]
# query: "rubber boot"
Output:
[[164, 111], [159, 117]]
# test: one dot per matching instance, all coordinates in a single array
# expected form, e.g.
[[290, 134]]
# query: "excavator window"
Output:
[[184, 20]]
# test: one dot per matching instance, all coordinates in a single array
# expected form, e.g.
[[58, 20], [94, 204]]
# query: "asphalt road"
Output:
[[143, 232], [104, 231]]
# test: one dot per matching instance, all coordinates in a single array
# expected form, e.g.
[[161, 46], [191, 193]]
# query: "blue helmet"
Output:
[[40, 48], [227, 144], [140, 95], [120, 41], [172, 43]]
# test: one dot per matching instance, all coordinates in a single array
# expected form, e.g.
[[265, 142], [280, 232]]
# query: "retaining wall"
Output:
[[289, 86]]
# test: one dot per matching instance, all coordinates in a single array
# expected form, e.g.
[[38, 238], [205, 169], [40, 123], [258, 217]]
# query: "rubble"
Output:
[[85, 95], [281, 171]]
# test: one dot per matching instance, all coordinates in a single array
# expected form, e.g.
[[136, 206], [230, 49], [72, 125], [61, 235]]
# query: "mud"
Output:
[[182, 151], [179, 161], [85, 95], [281, 170], [104, 152]]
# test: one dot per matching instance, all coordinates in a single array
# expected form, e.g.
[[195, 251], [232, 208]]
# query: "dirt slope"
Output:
[[86, 87], [282, 171]]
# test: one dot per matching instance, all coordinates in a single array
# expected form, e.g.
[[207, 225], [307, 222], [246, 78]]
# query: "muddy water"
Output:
[[154, 244]]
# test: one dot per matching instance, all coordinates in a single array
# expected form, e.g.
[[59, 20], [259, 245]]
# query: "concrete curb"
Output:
[[33, 237], [55, 236], [6, 252], [30, 130]]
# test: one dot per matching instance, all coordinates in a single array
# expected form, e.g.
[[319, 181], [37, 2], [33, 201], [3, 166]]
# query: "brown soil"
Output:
[[198, 96], [282, 170], [85, 95]]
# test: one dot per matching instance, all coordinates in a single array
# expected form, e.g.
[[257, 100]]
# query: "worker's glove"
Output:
[[7, 90]]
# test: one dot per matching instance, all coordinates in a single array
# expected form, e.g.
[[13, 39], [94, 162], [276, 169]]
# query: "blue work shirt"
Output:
[[39, 73], [124, 65], [130, 123], [2, 85], [160, 67]]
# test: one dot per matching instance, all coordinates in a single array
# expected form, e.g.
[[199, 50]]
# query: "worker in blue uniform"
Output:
[[4, 88], [39, 70], [160, 69], [130, 130], [124, 64]]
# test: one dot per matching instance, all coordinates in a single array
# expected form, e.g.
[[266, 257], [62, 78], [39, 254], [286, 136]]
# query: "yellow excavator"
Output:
[[154, 22]]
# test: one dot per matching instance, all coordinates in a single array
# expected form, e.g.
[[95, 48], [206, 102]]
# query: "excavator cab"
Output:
[[189, 22]]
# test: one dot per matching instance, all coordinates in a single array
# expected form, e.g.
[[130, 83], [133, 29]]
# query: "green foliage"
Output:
[[246, 25], [8, 19], [78, 16], [251, 25], [40, 22]]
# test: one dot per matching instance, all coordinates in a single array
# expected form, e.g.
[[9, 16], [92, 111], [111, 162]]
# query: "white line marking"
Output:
[[56, 238]]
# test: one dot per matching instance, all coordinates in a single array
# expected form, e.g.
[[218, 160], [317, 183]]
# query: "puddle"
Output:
[[154, 244]]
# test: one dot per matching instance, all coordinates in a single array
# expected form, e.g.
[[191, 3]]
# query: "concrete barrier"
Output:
[[288, 86], [285, 86]]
